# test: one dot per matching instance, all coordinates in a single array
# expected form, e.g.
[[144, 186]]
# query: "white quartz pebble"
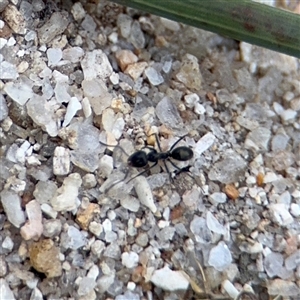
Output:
[[144, 192]]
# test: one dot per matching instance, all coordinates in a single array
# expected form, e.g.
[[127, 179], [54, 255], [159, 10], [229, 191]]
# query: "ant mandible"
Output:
[[141, 159]]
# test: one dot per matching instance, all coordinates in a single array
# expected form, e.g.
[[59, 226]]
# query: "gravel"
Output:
[[85, 86]]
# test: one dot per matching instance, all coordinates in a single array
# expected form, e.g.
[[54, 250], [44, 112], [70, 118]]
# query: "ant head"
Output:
[[138, 159]]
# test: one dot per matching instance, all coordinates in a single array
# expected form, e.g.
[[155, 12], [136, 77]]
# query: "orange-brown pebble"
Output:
[[260, 179], [44, 257], [137, 274], [136, 70], [161, 41], [176, 213], [211, 97], [85, 216], [125, 58], [231, 191]]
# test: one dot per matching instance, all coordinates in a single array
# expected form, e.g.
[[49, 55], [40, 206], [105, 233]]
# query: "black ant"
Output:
[[141, 159]]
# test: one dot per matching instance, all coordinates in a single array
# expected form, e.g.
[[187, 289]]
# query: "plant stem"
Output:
[[242, 20]]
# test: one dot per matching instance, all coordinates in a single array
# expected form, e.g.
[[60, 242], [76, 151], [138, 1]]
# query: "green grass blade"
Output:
[[242, 20]]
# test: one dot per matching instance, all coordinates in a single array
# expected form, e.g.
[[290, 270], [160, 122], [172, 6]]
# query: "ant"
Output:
[[141, 159]]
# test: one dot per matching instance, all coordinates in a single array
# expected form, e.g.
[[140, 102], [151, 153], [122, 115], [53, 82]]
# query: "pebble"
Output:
[[61, 161], [204, 143], [73, 106], [217, 198], [189, 72], [44, 257], [3, 108], [258, 139], [42, 113], [44, 191], [279, 142], [280, 214], [270, 177], [5, 291], [130, 259], [20, 91], [191, 99], [154, 76], [97, 247], [293, 260], [33, 228], [169, 280], [230, 289], [85, 216], [73, 54], [144, 193], [130, 203], [52, 228], [104, 282], [95, 64], [282, 287], [142, 239], [295, 210], [73, 238], [136, 36], [251, 248], [96, 92], [14, 19], [54, 56], [295, 104], [89, 181], [61, 92], [95, 228], [213, 224], [199, 228], [11, 203], [199, 109], [168, 114], [220, 257], [86, 286], [288, 115], [56, 25], [7, 244], [233, 168], [8, 71], [88, 24], [48, 210], [36, 294], [78, 11], [273, 264], [86, 107], [135, 70], [125, 58], [66, 198]]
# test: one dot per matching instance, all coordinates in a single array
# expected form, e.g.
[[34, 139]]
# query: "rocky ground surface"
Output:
[[76, 76]]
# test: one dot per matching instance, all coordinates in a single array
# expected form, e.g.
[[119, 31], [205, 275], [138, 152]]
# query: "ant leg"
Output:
[[186, 170], [159, 147], [157, 141], [148, 147], [115, 146], [143, 172], [173, 146], [117, 182]]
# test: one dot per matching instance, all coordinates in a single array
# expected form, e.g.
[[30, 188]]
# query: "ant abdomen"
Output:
[[182, 153]]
